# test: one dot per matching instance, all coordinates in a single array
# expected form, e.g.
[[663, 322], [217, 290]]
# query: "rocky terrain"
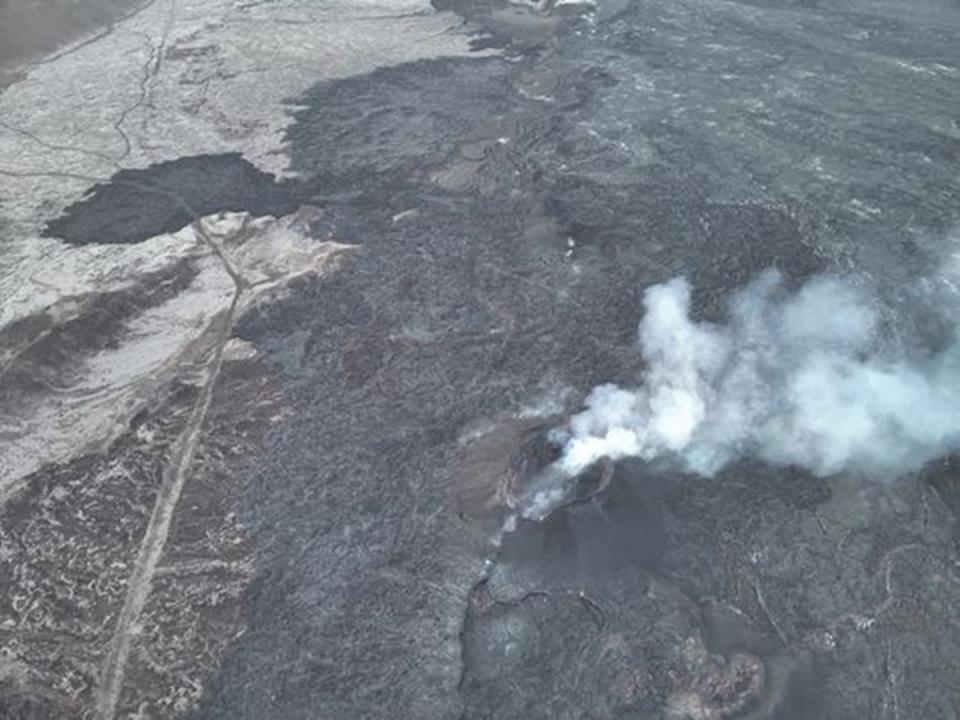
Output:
[[291, 293]]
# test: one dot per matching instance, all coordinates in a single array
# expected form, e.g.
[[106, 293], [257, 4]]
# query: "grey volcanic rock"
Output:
[[709, 140], [311, 512]]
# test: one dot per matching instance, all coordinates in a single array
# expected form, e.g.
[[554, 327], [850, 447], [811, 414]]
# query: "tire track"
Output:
[[140, 581]]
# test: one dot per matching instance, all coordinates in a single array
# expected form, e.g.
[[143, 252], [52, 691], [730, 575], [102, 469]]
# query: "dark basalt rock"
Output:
[[139, 204], [547, 193]]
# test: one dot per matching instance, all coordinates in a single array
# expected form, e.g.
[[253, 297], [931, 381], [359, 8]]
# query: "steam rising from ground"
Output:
[[808, 378]]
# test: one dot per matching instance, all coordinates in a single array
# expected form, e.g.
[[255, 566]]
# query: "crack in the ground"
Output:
[[598, 614], [150, 70], [146, 76]]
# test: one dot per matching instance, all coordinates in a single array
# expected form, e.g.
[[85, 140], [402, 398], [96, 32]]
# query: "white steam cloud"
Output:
[[808, 378]]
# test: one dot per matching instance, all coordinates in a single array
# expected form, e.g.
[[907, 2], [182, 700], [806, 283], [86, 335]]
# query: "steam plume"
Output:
[[808, 378]]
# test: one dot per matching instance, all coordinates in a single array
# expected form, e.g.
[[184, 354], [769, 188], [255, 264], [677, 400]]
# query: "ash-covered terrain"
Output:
[[303, 312]]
